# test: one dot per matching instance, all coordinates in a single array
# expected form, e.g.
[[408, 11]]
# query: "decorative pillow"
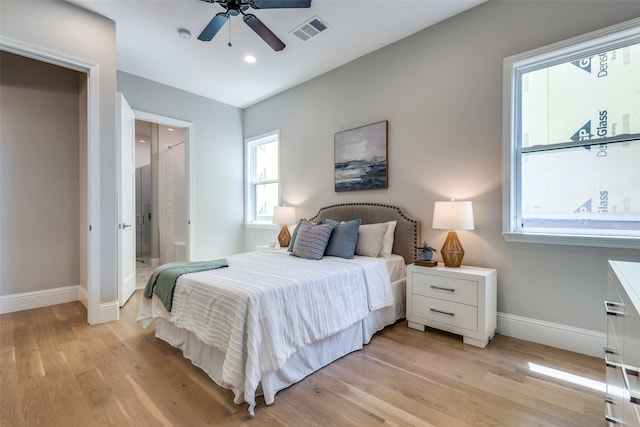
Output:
[[387, 241], [370, 238], [312, 239], [342, 242], [294, 235]]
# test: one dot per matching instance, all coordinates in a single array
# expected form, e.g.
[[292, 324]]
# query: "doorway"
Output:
[[89, 197], [161, 193], [171, 177]]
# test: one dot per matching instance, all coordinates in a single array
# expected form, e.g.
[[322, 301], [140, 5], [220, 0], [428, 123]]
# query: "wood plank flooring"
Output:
[[56, 370]]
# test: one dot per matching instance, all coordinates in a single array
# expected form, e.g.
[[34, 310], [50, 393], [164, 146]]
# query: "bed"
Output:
[[240, 323]]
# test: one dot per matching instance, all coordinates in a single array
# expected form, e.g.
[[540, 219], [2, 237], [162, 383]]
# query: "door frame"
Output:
[[189, 135], [92, 71]]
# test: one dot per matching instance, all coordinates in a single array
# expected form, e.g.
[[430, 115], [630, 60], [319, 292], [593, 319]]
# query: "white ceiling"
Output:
[[148, 45]]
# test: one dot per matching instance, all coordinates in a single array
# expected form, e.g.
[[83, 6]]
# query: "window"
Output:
[[572, 141], [262, 174]]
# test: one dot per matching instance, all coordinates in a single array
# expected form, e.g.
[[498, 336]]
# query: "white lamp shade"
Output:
[[453, 216], [284, 215]]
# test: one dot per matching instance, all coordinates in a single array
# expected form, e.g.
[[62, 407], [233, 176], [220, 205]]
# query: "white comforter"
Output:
[[265, 307]]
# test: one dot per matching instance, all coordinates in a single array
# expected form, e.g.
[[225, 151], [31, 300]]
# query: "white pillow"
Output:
[[370, 237], [387, 242]]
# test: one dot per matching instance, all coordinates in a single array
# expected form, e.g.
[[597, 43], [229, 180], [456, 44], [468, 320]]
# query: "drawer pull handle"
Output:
[[626, 371], [448, 313], [609, 308], [608, 401], [439, 288], [610, 363], [609, 350]]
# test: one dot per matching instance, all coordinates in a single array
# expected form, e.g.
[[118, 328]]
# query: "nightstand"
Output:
[[458, 300], [271, 249]]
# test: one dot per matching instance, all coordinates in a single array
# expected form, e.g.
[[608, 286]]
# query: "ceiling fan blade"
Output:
[[213, 27], [280, 4], [265, 33]]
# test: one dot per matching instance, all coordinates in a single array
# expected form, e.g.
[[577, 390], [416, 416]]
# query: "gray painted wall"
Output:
[[217, 154], [39, 175], [61, 27], [441, 91]]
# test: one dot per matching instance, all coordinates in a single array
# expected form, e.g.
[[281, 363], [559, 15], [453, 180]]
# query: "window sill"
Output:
[[262, 225], [618, 242]]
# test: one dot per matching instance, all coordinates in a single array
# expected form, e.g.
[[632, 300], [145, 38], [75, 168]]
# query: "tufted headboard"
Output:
[[407, 234]]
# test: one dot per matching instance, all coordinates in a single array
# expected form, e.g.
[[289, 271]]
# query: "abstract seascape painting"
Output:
[[361, 158]]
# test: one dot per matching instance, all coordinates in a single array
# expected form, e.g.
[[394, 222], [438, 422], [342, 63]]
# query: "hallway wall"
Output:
[[39, 175]]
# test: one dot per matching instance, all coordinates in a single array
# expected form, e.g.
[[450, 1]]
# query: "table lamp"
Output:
[[284, 215], [452, 216]]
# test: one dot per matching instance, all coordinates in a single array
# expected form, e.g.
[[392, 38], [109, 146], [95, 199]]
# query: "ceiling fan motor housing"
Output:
[[237, 7]]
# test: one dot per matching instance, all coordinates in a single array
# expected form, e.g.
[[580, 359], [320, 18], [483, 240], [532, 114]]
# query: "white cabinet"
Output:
[[458, 300], [622, 353]]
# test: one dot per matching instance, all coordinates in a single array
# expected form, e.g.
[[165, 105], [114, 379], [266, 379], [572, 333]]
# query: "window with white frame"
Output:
[[572, 141], [262, 177]]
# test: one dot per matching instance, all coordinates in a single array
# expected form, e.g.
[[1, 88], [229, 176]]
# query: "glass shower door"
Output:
[[143, 214]]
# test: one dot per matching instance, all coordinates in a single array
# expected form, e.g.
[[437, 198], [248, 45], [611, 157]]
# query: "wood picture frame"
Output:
[[360, 158]]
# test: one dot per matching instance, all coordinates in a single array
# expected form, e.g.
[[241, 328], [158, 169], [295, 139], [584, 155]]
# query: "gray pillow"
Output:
[[342, 242], [312, 239]]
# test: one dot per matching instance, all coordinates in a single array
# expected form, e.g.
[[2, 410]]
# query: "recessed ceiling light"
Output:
[[250, 59], [170, 129], [183, 33]]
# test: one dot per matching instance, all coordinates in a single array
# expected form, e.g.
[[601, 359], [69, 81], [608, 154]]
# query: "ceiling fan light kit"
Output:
[[238, 7]]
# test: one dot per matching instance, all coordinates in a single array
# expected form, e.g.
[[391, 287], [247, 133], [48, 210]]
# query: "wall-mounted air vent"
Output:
[[310, 28]]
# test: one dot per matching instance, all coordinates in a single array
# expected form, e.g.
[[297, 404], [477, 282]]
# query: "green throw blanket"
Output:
[[163, 279]]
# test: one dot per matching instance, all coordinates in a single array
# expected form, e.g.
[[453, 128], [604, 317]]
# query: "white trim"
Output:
[[249, 144], [108, 312], [262, 225], [83, 295], [37, 299], [576, 46], [557, 335], [92, 71], [619, 242]]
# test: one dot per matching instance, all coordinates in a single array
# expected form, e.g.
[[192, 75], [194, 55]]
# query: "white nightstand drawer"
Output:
[[446, 288], [445, 312], [459, 300]]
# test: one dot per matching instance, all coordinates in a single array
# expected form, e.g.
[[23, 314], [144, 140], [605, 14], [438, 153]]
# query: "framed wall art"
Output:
[[361, 158]]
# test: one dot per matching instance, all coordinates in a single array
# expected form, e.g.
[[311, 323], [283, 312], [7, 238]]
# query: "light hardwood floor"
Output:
[[57, 370]]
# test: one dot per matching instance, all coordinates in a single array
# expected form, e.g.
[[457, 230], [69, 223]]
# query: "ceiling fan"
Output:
[[238, 7]]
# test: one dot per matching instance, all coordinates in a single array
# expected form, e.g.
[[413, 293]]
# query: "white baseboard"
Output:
[[108, 312], [83, 296], [578, 340], [37, 299]]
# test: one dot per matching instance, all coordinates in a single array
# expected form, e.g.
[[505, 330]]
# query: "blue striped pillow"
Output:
[[312, 239]]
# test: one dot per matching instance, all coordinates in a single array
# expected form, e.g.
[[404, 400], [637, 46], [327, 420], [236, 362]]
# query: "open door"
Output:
[[127, 205]]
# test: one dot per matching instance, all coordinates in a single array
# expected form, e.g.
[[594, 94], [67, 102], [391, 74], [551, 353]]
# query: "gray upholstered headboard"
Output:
[[407, 234]]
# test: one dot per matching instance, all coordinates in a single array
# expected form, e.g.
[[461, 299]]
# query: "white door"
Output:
[[127, 207]]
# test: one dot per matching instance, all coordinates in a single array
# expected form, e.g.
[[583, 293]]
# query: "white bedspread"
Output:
[[265, 307]]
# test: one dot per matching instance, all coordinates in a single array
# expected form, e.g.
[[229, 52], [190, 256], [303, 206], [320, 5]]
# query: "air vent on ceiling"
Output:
[[310, 28]]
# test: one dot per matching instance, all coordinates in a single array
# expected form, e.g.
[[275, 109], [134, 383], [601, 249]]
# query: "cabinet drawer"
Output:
[[614, 341], [427, 310], [446, 288], [613, 411]]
